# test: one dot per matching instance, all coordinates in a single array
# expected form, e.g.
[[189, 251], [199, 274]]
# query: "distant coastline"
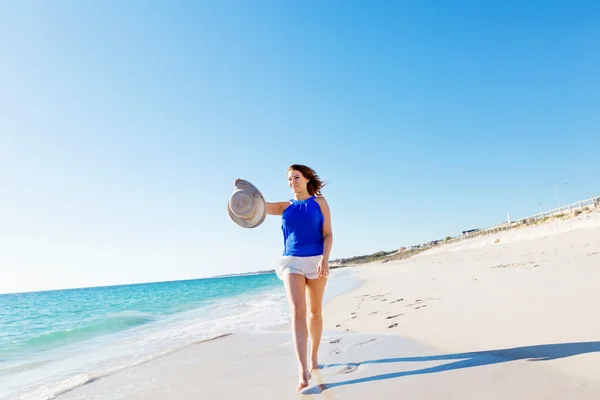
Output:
[[272, 271]]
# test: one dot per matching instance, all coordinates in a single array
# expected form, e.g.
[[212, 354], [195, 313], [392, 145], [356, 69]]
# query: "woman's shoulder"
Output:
[[320, 200], [323, 206]]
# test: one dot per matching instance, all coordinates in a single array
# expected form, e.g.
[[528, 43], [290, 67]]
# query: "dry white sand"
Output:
[[535, 286], [516, 319]]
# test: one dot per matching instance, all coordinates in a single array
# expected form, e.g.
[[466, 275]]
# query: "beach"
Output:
[[511, 315]]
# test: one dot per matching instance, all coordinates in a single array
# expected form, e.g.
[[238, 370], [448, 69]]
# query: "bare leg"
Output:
[[314, 295], [295, 286]]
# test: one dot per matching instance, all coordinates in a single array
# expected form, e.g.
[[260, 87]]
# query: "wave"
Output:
[[107, 324], [81, 355]]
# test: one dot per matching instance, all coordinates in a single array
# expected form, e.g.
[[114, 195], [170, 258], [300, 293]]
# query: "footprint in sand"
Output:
[[393, 316], [335, 341], [397, 300], [377, 296], [366, 342], [348, 368], [393, 325]]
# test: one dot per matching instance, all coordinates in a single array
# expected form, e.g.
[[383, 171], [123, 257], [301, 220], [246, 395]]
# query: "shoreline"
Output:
[[479, 319]]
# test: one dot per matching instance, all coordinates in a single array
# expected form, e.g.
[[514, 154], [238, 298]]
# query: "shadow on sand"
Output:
[[542, 352]]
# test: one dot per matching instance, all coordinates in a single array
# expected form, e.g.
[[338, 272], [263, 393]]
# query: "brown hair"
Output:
[[315, 184]]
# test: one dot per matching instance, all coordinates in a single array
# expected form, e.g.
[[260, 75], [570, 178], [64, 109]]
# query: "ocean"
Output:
[[53, 341]]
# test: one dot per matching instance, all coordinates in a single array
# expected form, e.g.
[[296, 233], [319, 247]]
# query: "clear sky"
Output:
[[124, 124]]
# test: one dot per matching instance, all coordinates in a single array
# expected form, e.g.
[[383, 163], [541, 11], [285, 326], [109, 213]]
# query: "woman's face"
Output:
[[297, 181]]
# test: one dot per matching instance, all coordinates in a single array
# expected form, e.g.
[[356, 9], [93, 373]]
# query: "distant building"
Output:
[[470, 231]]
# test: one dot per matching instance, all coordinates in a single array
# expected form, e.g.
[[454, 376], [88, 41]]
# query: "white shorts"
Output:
[[306, 266]]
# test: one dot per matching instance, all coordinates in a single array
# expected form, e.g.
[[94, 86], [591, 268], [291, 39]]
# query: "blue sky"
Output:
[[124, 124]]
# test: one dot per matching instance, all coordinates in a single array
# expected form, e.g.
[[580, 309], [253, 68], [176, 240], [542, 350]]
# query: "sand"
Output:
[[533, 286], [510, 316]]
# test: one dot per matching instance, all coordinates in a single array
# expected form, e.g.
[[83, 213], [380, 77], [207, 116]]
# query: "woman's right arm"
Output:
[[277, 208], [272, 208]]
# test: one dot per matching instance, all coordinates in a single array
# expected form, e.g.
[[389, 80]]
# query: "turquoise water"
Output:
[[52, 341]]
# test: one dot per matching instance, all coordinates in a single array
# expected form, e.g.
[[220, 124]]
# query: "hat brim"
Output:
[[260, 207]]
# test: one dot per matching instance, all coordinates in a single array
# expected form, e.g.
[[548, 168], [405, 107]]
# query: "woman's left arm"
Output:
[[327, 236]]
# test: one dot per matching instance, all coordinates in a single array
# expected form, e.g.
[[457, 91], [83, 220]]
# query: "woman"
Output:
[[304, 267]]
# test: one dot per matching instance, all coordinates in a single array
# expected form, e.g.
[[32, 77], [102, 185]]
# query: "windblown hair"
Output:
[[315, 184]]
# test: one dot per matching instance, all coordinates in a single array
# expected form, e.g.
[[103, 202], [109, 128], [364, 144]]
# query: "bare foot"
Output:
[[314, 365], [303, 380]]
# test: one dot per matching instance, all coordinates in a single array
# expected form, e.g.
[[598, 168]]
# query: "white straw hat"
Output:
[[247, 206]]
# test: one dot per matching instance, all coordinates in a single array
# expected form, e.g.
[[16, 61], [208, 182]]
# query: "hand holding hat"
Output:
[[246, 206]]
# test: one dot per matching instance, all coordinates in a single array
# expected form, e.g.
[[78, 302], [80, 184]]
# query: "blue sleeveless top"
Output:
[[302, 226]]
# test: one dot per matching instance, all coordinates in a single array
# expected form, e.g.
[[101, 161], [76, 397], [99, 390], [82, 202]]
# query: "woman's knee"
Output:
[[299, 312], [315, 315]]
